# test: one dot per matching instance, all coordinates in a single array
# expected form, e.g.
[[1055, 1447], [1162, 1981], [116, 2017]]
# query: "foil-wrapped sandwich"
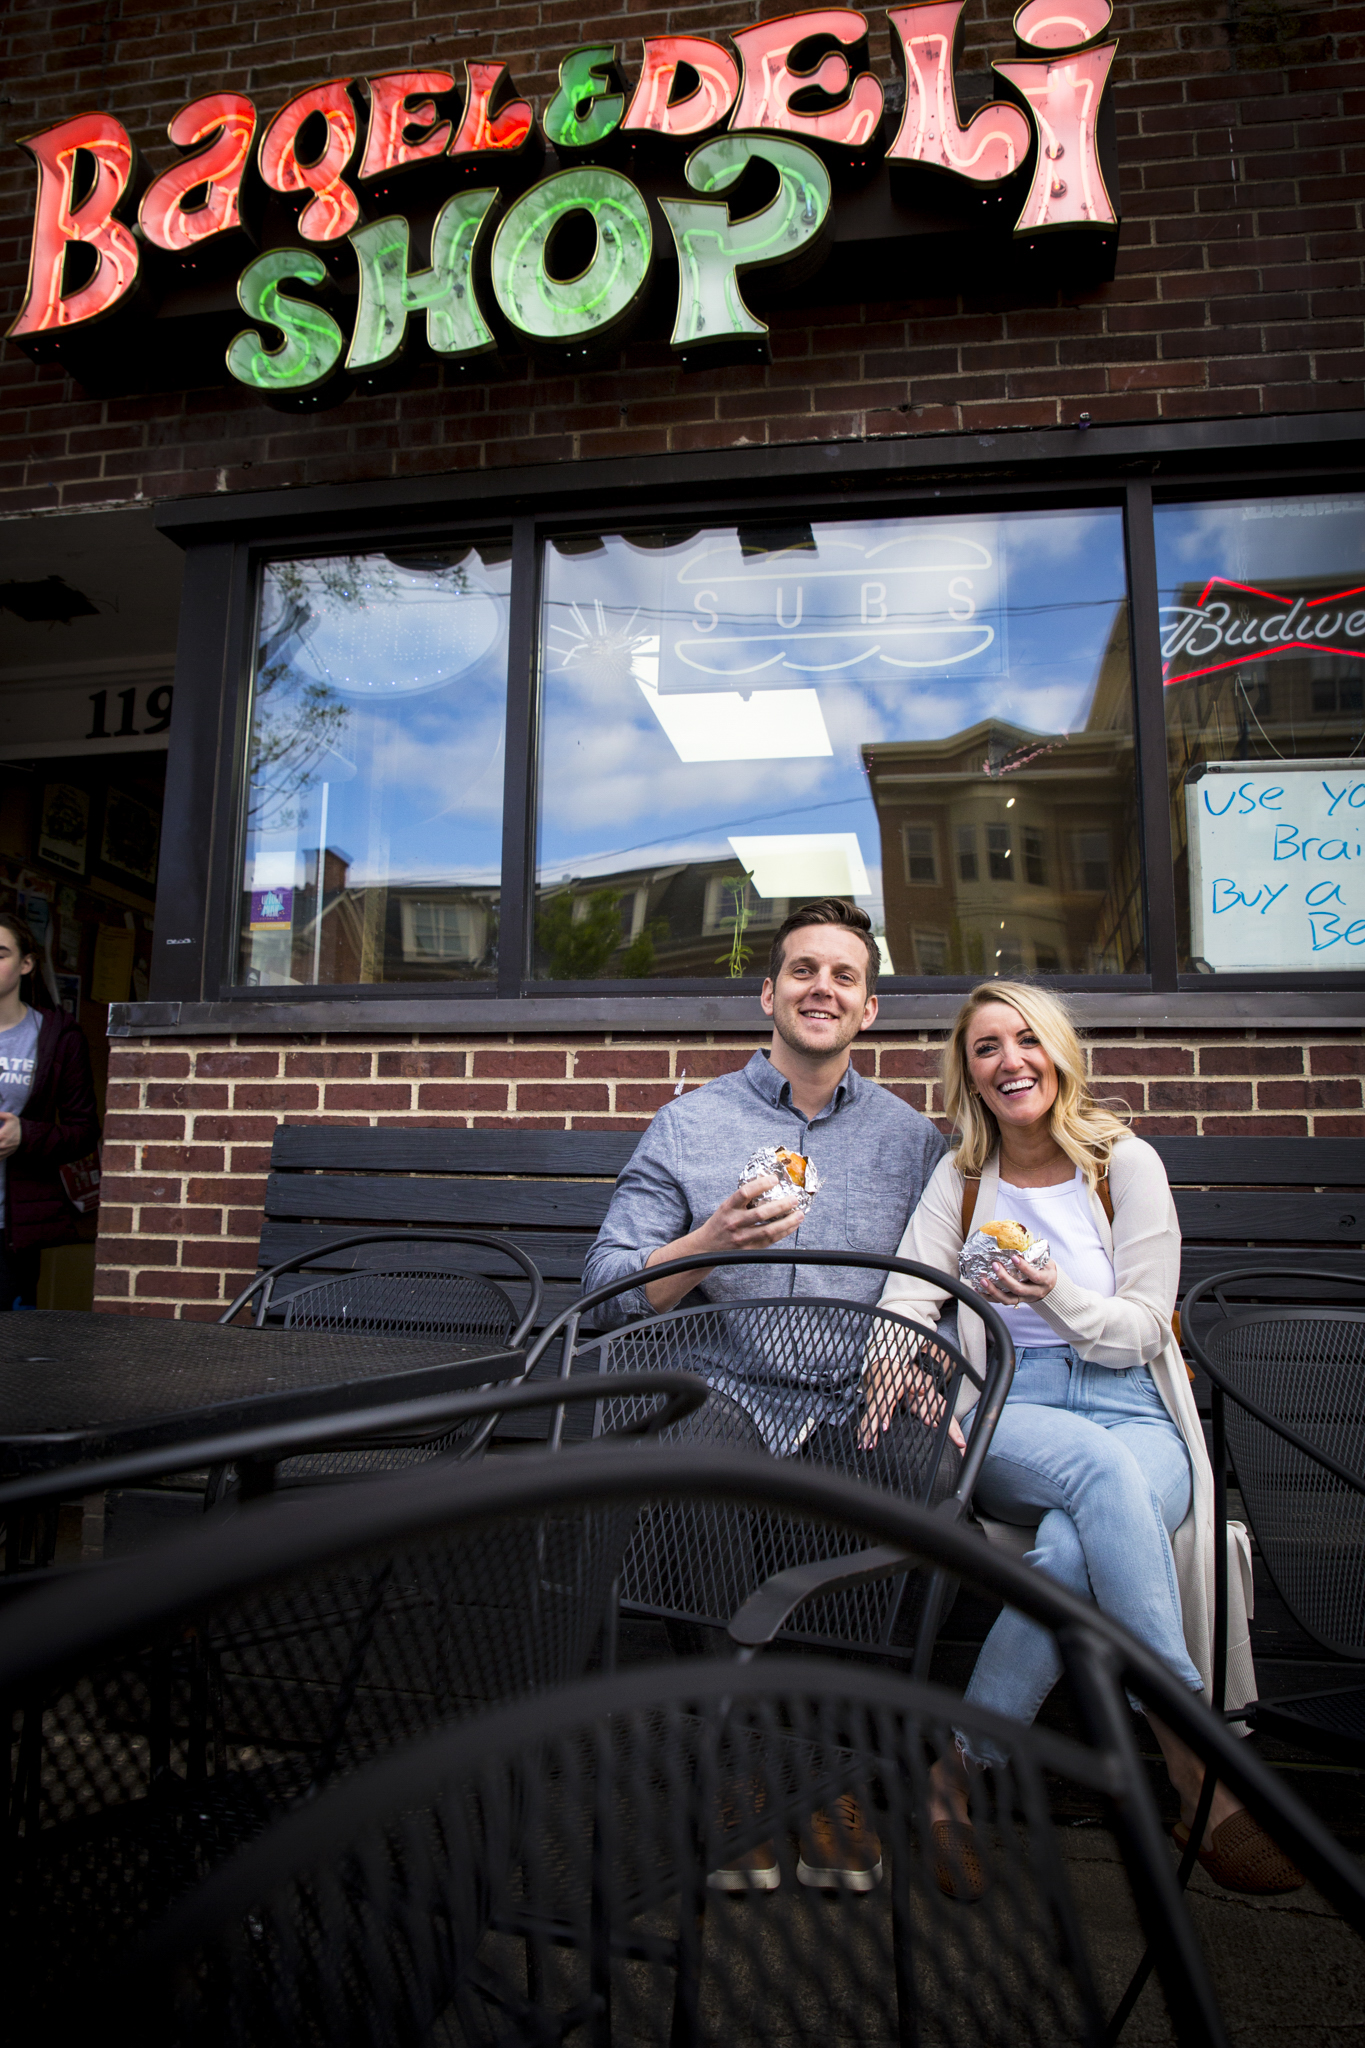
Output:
[[789, 1169], [999, 1241]]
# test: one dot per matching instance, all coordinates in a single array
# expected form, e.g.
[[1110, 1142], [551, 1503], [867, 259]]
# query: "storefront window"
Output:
[[374, 801], [931, 717], [1263, 646]]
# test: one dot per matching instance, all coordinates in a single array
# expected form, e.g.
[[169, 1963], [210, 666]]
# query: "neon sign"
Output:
[[1230, 623], [565, 260]]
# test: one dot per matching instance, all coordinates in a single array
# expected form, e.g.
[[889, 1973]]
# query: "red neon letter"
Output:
[[57, 223], [927, 42], [385, 146], [334, 209], [770, 84], [1063, 94], [482, 132], [718, 82], [225, 122]]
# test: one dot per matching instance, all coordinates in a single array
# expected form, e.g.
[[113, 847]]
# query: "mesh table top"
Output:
[[77, 1386]]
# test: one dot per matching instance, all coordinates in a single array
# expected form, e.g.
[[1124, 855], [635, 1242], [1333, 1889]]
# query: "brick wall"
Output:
[[1239, 289], [188, 1130]]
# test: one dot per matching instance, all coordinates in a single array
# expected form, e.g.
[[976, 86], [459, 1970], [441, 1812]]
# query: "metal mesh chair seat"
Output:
[[786, 1378], [1334, 1721], [787, 1375]]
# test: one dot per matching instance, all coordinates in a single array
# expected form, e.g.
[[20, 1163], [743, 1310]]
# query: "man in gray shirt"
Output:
[[680, 1195]]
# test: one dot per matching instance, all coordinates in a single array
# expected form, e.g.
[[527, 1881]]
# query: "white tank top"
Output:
[[1061, 1215]]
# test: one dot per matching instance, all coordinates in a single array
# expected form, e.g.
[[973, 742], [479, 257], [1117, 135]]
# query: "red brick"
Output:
[[1251, 1059], [1141, 1059], [127, 1061], [182, 1159], [916, 1093], [516, 1064], [371, 1095], [633, 1096], [414, 1063], [1337, 1059], [276, 1095], [617, 1063], [566, 1095], [1196, 1096], [225, 1189], [136, 1251], [235, 1127], [1255, 1127], [327, 1066], [462, 1095], [1308, 1095], [180, 1222], [186, 1095], [704, 1063], [1165, 1126], [237, 1066], [1339, 1126], [159, 1129], [179, 1286], [911, 1062]]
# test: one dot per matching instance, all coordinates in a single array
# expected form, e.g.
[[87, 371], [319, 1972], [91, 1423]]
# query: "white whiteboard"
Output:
[[1277, 865]]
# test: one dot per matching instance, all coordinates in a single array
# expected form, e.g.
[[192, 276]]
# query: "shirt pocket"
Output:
[[875, 1210]]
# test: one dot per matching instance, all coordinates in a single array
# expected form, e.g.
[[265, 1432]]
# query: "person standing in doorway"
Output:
[[47, 1114]]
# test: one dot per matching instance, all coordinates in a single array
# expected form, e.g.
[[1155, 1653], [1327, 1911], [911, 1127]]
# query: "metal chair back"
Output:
[[1289, 1384], [521, 1875], [787, 1378]]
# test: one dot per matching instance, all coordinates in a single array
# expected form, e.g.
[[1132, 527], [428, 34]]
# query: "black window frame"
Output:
[[228, 540]]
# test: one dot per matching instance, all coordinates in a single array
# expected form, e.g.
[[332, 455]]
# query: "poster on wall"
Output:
[[132, 831], [112, 977], [65, 829], [1276, 854], [69, 993]]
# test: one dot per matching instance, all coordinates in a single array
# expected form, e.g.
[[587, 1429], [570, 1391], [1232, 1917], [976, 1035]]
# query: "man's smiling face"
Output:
[[819, 1001]]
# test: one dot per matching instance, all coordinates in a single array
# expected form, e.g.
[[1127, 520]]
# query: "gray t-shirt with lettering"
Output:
[[18, 1055]]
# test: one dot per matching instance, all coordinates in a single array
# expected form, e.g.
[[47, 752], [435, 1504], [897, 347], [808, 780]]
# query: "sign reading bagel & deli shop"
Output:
[[709, 164]]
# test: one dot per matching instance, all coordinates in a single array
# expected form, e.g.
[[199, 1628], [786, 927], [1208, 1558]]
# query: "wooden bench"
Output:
[[1299, 1198]]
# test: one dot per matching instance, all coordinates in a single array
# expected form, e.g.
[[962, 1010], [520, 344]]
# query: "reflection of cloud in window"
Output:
[[804, 864]]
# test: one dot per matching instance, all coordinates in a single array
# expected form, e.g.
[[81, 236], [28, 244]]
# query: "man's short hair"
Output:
[[829, 910]]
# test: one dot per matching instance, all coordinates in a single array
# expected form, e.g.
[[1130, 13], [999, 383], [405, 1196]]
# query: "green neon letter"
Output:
[[389, 291], [713, 249], [616, 279], [312, 340], [585, 109]]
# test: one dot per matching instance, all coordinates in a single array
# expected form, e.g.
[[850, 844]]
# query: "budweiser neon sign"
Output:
[[1231, 623], [342, 284]]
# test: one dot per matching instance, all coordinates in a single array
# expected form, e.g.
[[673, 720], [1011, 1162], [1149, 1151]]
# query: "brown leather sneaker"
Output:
[[1242, 1857], [839, 1851], [755, 1871]]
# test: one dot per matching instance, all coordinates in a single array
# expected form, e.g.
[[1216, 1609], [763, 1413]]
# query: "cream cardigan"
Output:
[[1115, 1331]]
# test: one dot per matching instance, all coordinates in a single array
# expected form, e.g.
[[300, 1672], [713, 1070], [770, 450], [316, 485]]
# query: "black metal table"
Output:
[[76, 1387]]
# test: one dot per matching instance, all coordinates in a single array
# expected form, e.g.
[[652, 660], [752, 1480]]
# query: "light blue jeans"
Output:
[[1096, 1452]]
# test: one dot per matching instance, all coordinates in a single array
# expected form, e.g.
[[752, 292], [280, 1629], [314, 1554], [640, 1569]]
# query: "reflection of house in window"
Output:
[[1009, 956], [1035, 862], [966, 853], [921, 859], [452, 932], [1090, 855], [1045, 960], [999, 853], [931, 953], [1334, 693], [719, 912]]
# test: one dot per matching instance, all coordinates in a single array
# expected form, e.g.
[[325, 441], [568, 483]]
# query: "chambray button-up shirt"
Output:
[[873, 1152], [874, 1156]]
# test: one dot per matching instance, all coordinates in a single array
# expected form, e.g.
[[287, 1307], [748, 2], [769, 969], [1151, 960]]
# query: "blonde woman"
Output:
[[1099, 1449]]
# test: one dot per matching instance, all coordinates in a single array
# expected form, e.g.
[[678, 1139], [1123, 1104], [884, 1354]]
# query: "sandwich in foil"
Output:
[[999, 1241], [789, 1169]]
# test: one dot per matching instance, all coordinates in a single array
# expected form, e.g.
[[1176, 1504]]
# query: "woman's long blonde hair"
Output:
[[1086, 1132]]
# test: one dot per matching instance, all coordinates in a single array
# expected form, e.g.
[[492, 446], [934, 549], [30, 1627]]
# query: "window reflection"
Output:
[[926, 716], [1263, 647], [375, 770]]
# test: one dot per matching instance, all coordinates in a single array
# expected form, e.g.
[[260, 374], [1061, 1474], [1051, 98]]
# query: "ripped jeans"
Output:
[[1095, 1453]]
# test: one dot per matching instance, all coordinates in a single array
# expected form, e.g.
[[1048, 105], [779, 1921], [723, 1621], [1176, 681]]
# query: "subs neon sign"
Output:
[[794, 104]]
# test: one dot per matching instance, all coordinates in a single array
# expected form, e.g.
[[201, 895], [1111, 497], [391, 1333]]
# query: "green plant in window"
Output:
[[579, 949], [739, 913]]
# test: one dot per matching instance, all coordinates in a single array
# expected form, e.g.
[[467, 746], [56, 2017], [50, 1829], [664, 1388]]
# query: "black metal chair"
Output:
[[1288, 1379], [543, 1869], [786, 1377], [405, 1301], [164, 1710]]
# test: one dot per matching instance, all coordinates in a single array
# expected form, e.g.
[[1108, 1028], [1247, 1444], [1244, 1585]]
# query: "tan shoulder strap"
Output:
[[1106, 1200], [970, 1189]]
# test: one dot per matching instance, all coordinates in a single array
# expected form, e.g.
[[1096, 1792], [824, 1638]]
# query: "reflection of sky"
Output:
[[1260, 541], [1030, 598], [413, 778]]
